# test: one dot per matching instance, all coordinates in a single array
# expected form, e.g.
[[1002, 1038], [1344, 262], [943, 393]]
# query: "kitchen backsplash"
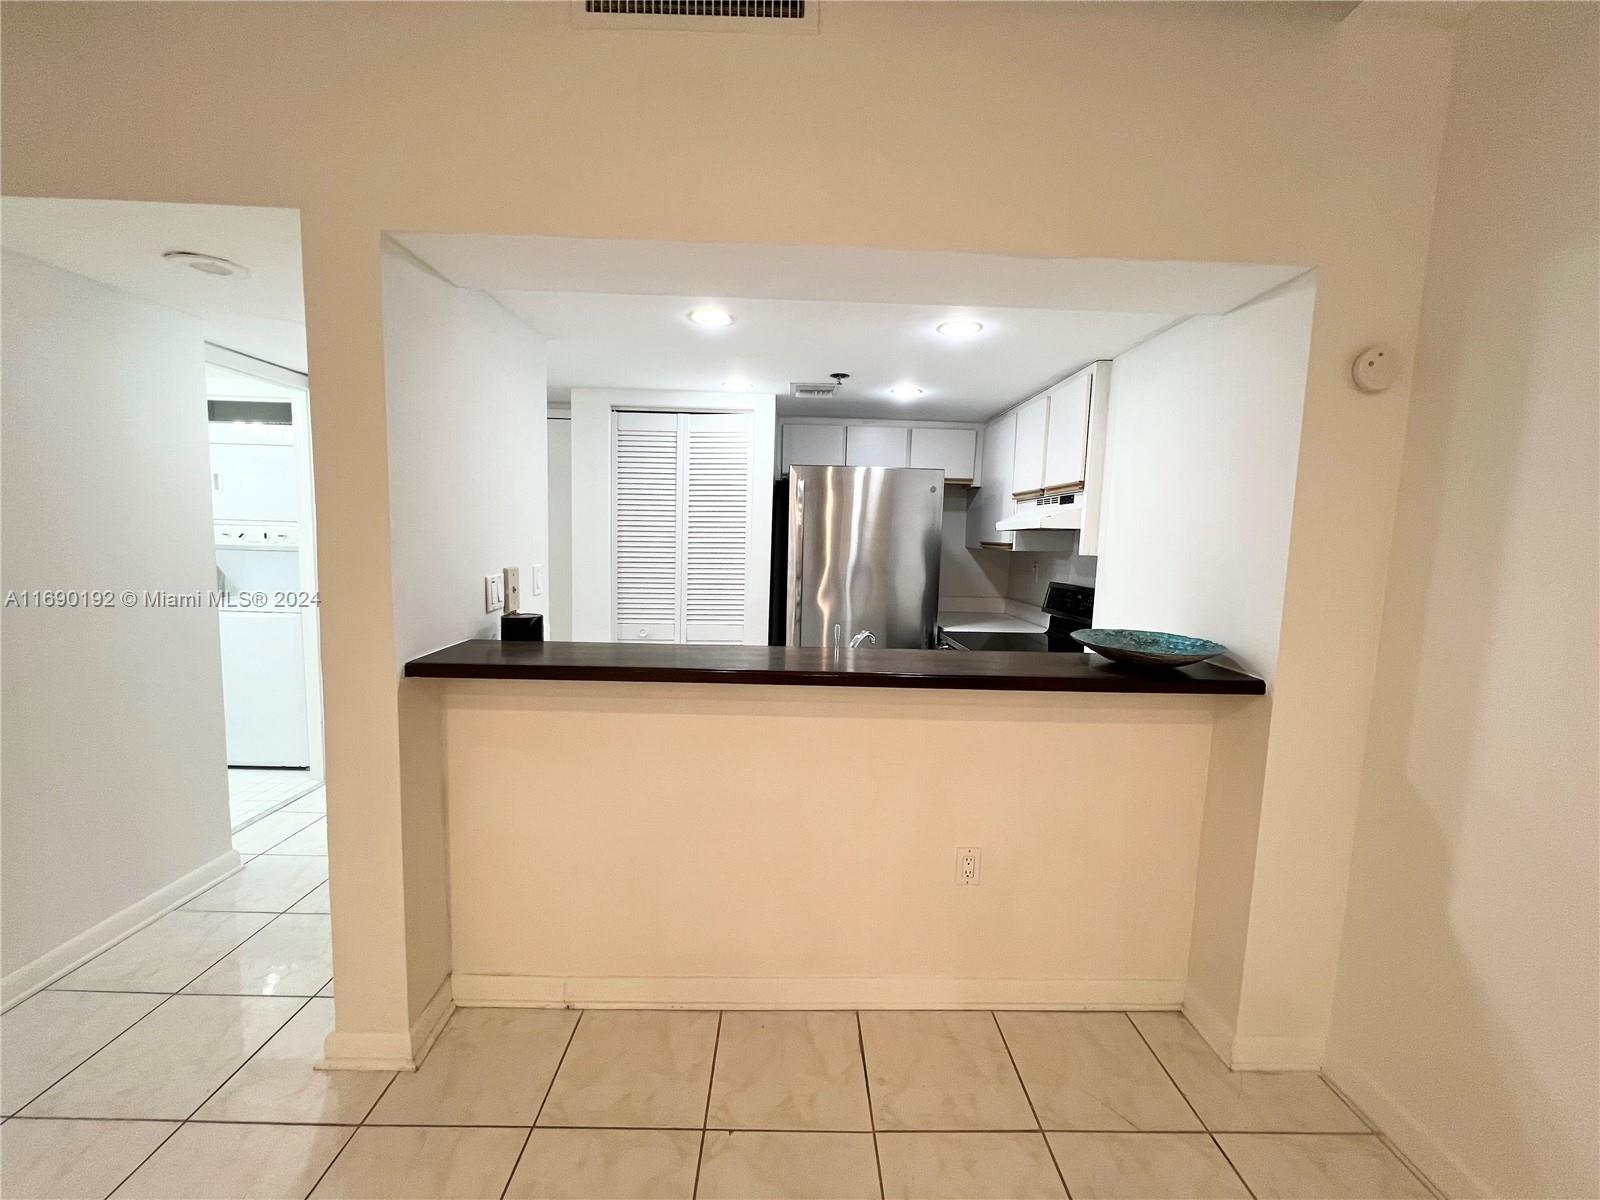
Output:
[[1029, 574]]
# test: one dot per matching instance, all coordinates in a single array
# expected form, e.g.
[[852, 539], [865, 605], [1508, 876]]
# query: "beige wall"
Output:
[[1466, 1016], [795, 847], [116, 784], [1226, 132]]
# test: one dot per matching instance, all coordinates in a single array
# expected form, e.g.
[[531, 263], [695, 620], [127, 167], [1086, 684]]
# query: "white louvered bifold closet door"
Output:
[[716, 527], [648, 518], [682, 538]]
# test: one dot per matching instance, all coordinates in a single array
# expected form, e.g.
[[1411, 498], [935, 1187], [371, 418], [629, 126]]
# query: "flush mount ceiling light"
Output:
[[961, 328], [710, 316], [905, 391], [737, 385], [208, 264]]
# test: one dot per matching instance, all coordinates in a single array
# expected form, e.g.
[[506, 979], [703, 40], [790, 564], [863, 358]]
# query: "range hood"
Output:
[[1044, 516]]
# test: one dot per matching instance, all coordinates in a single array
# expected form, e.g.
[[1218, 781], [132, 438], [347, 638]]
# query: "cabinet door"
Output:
[[253, 483], [992, 502], [813, 446], [1027, 474], [875, 445], [1067, 443], [952, 451]]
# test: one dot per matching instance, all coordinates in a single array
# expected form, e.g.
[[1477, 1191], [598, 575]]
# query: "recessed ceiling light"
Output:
[[737, 385], [711, 317], [905, 391], [963, 328], [208, 264]]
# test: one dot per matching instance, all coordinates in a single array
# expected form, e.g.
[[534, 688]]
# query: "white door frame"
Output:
[[311, 616]]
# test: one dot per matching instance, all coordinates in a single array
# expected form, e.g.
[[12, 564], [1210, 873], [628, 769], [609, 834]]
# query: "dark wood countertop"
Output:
[[661, 662]]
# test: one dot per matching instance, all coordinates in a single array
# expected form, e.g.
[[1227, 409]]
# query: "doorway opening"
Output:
[[265, 529]]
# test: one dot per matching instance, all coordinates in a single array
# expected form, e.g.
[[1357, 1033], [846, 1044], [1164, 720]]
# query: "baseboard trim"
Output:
[[1278, 1053], [343, 1051], [347, 1051], [430, 1023], [1409, 1137], [1243, 1053], [72, 954], [713, 992], [1210, 1025]]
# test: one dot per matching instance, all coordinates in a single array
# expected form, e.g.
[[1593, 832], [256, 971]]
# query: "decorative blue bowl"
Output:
[[1144, 648]]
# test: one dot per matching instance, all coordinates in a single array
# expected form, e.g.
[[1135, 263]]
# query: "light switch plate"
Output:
[[513, 589], [494, 597], [538, 579]]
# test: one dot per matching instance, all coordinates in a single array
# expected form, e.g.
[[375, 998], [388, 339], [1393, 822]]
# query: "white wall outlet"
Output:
[[969, 859], [494, 593], [513, 589]]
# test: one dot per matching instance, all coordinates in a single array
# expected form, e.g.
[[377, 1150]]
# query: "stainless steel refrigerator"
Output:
[[862, 546]]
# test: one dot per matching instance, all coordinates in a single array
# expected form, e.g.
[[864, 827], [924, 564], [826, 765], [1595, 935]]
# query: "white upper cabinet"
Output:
[[1067, 440], [253, 483], [812, 446], [875, 446], [953, 451], [1033, 418]]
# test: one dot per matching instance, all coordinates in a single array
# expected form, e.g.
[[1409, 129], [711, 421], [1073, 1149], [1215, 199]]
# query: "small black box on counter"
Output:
[[522, 627]]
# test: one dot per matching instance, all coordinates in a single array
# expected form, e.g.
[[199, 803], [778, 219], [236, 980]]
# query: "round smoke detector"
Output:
[[208, 264]]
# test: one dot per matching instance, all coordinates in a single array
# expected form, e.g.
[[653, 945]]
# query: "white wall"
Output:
[[1465, 1017], [971, 577], [115, 780], [1201, 452], [591, 497], [467, 456], [558, 603], [1029, 574]]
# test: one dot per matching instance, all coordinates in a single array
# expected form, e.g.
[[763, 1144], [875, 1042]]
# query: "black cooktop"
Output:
[[968, 640], [1068, 605]]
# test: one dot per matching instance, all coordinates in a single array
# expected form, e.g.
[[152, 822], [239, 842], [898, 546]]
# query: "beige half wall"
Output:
[[743, 846]]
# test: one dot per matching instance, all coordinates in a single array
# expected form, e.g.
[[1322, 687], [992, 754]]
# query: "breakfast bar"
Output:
[[625, 828], [809, 665]]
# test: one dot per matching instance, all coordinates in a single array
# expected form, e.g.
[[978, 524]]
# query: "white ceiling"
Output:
[[646, 342], [120, 243], [615, 314]]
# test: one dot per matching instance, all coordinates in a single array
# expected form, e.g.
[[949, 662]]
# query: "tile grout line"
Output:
[[316, 1183], [872, 1117], [538, 1112], [1028, 1096], [1203, 1126], [705, 1117], [182, 1121], [165, 996], [1136, 1133], [1388, 1143]]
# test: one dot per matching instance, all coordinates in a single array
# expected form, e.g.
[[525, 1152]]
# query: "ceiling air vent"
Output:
[[774, 16], [791, 10], [813, 391]]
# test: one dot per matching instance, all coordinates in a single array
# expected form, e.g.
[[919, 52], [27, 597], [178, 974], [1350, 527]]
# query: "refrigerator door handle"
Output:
[[797, 550]]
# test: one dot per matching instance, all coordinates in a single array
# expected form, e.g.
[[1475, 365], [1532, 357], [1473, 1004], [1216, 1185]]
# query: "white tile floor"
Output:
[[179, 1064], [252, 794]]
